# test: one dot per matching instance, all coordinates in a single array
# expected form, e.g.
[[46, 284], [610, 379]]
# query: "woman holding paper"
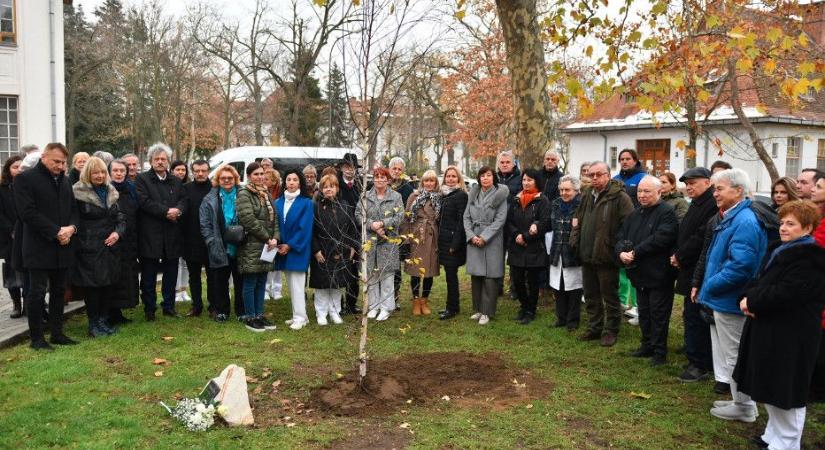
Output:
[[295, 216], [565, 269], [257, 216]]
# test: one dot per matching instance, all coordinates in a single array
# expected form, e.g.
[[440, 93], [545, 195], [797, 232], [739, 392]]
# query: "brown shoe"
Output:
[[425, 308], [416, 310], [194, 313], [608, 340], [589, 336]]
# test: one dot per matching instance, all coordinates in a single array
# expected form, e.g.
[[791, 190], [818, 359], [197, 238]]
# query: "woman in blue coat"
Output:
[[295, 213]]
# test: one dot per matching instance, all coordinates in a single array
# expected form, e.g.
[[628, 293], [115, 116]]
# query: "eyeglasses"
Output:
[[596, 174], [226, 178]]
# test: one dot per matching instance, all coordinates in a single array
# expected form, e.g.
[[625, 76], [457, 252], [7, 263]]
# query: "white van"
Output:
[[283, 158]]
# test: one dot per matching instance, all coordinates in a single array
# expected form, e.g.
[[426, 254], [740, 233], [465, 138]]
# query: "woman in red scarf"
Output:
[[527, 221]]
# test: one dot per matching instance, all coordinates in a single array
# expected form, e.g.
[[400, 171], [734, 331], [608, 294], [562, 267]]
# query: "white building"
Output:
[[795, 138], [31, 74]]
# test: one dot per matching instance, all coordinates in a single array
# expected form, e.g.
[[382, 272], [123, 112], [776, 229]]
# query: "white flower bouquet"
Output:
[[195, 413]]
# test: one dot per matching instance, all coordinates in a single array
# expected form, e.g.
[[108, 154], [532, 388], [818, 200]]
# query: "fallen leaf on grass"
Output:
[[446, 398], [266, 373], [404, 425], [168, 338], [640, 395], [159, 373], [251, 379], [275, 384], [274, 341], [290, 425], [339, 375], [160, 362], [529, 406]]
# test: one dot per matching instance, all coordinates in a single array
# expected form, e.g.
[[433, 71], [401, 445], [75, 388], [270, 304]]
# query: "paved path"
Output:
[[13, 331]]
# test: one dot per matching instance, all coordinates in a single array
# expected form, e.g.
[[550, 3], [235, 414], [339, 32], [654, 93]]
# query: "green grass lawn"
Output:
[[104, 392]]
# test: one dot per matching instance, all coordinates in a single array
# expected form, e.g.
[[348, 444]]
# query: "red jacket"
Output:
[[819, 236]]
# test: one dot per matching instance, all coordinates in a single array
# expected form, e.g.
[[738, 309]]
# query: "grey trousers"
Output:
[[485, 294]]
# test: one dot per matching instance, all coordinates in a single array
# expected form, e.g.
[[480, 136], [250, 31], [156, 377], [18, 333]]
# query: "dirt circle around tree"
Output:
[[461, 379]]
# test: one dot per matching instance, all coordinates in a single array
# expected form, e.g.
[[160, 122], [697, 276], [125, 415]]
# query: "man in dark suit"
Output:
[[194, 247], [48, 212], [349, 191], [162, 201]]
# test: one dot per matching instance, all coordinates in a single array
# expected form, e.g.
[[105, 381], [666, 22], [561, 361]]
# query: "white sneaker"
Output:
[[735, 412], [632, 312], [483, 320], [186, 297], [322, 320], [475, 316], [336, 318], [383, 316], [289, 321], [633, 321], [297, 325], [372, 314], [722, 403]]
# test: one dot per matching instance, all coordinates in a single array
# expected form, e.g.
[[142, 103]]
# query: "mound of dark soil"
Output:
[[460, 378]]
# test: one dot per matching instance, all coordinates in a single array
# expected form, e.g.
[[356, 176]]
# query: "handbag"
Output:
[[234, 234]]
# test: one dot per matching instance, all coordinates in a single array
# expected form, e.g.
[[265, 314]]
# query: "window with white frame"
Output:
[[614, 156], [8, 127], [820, 155], [792, 157], [8, 31]]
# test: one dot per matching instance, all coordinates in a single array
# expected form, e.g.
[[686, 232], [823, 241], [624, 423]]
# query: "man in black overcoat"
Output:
[[162, 200], [689, 245], [194, 246], [49, 216], [349, 192]]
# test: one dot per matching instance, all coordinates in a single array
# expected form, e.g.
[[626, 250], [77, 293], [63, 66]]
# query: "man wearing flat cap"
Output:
[[688, 250]]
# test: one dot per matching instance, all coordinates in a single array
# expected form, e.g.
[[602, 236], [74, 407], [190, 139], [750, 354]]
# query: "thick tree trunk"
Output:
[[525, 60], [736, 103]]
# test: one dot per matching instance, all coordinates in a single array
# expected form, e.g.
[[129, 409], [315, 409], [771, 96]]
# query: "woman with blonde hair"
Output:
[[101, 225], [452, 242], [79, 160], [421, 227]]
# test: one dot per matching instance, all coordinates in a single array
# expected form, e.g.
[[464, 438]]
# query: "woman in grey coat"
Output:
[[383, 211], [484, 221]]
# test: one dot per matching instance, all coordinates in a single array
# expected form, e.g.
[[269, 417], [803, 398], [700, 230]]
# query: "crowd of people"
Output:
[[747, 269]]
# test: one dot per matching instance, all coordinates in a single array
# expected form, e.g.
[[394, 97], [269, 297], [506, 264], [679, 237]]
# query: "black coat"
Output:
[[8, 217], [98, 265], [778, 349], [651, 233], [513, 183], [562, 225], [159, 237], [519, 220], [452, 240], [405, 189], [44, 204], [548, 182], [691, 238], [335, 233], [124, 293], [194, 247], [349, 195]]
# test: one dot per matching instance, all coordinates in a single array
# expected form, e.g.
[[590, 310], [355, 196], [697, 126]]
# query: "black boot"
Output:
[[95, 330], [17, 308]]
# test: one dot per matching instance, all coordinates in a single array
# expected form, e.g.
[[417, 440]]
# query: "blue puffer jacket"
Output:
[[735, 253]]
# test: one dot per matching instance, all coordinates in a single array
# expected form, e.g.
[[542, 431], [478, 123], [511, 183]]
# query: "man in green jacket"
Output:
[[603, 208]]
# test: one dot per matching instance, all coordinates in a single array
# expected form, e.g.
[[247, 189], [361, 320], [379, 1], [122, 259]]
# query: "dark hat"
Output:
[[696, 172], [351, 159]]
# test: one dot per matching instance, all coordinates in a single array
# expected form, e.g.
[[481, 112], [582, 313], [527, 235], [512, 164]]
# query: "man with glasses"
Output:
[[194, 246], [603, 209]]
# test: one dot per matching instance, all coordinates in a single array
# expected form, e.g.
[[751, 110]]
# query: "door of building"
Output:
[[654, 155]]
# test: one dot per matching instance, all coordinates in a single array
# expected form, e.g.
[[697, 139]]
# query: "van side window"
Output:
[[239, 166]]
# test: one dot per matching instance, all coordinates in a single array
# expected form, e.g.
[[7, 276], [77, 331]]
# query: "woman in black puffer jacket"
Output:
[[102, 224], [452, 241], [125, 291], [527, 221]]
